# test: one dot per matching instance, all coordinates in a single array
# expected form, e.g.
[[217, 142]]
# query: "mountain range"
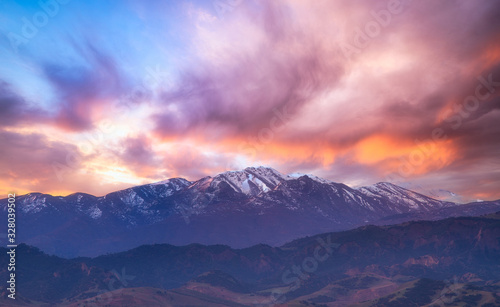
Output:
[[257, 205]]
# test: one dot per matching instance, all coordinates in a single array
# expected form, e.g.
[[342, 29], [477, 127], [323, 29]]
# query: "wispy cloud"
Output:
[[272, 83]]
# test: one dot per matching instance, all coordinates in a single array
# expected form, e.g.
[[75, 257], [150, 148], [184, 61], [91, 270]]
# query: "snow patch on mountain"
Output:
[[246, 181], [130, 198], [95, 213], [163, 182], [315, 178], [33, 203], [245, 186]]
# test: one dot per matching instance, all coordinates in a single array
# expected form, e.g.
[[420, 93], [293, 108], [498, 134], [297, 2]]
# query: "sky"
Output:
[[97, 96]]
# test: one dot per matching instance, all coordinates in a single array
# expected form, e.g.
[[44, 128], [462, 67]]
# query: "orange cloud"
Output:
[[394, 154]]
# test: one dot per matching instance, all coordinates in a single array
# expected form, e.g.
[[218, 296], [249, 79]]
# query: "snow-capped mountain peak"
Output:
[[251, 180], [176, 183], [313, 177], [401, 199]]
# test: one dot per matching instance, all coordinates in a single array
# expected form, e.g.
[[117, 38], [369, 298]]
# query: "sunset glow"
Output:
[[106, 96]]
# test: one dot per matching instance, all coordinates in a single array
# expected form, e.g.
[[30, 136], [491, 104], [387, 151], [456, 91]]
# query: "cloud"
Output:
[[189, 162], [15, 111], [27, 160], [84, 90], [236, 91], [138, 155], [386, 98], [33, 163], [271, 83]]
